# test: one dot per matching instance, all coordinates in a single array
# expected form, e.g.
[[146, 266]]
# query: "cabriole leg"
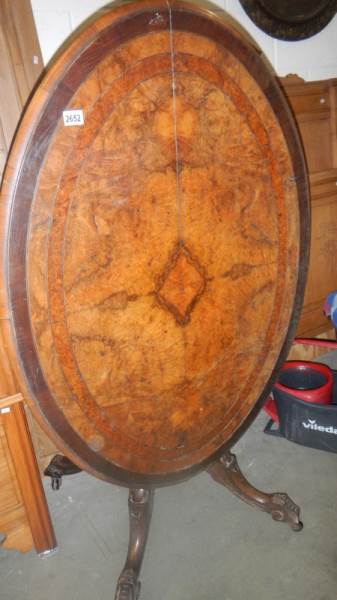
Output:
[[140, 511], [226, 471]]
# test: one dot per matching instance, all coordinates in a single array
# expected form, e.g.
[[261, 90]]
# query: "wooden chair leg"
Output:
[[226, 471], [140, 511]]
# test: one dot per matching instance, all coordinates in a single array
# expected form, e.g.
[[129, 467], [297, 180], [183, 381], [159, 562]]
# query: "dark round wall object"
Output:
[[288, 20]]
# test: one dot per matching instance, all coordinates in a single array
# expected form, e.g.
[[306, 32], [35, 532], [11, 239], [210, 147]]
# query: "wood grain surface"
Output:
[[157, 253]]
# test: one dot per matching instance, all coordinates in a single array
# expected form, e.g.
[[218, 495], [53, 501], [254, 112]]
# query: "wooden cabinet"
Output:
[[315, 108]]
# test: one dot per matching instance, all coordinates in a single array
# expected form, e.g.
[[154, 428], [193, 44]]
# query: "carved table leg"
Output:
[[140, 511], [226, 471]]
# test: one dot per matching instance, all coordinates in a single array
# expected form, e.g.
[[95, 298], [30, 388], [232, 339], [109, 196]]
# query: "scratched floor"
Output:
[[204, 544]]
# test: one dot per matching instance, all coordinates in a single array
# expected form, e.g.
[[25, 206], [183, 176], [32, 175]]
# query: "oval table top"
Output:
[[155, 241]]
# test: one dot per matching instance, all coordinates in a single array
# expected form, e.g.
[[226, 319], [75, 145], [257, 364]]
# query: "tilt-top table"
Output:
[[154, 251]]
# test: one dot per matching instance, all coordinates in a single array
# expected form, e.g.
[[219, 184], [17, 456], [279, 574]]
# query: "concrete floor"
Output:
[[204, 543]]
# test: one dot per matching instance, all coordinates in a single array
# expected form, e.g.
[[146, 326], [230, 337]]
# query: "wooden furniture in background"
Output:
[[20, 66], [315, 108], [24, 515]]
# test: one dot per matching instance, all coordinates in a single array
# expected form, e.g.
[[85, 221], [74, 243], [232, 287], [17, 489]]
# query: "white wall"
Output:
[[314, 58]]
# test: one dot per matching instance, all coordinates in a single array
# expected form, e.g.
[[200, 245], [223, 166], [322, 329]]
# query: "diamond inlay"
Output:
[[181, 285]]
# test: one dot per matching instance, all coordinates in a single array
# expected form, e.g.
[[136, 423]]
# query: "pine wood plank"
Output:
[[28, 476]]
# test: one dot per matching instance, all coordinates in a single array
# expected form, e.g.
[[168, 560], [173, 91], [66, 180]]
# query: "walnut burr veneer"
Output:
[[154, 251]]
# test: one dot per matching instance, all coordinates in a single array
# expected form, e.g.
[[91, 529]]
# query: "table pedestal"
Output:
[[225, 471], [140, 511]]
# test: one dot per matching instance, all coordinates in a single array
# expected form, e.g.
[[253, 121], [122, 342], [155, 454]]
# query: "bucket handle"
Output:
[[315, 342]]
